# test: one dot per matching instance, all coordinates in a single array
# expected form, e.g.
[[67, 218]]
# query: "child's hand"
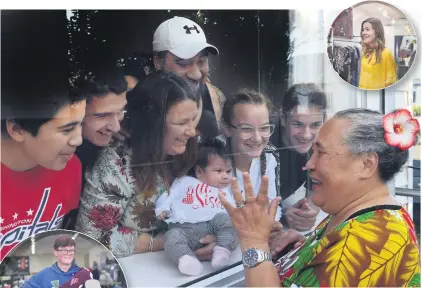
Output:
[[163, 215], [205, 253]]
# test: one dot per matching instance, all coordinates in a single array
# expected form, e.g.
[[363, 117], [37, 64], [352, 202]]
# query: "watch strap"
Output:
[[262, 257], [266, 256]]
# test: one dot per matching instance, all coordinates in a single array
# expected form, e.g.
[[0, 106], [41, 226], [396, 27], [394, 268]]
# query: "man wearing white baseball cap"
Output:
[[180, 46], [181, 37]]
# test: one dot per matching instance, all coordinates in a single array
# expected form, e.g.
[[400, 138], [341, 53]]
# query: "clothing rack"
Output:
[[346, 41], [345, 59]]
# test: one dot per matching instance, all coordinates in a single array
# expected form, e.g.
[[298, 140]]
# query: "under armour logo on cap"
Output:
[[181, 37], [188, 29]]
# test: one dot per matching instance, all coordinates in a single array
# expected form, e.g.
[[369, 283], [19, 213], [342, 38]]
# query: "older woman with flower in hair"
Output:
[[378, 68], [368, 239]]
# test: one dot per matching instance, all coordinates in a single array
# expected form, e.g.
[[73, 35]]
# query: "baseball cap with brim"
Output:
[[182, 37], [190, 50]]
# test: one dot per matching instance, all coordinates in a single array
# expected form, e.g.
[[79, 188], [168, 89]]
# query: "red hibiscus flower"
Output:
[[400, 129], [104, 217], [124, 230]]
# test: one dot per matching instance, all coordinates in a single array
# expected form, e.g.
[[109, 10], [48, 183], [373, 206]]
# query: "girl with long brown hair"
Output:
[[378, 68], [246, 123]]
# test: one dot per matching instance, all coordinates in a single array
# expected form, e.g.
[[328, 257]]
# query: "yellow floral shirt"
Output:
[[375, 76], [377, 248]]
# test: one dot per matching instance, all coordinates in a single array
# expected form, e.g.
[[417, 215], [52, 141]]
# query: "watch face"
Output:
[[250, 258]]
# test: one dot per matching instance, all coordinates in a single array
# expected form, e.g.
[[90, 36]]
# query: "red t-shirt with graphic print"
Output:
[[35, 201]]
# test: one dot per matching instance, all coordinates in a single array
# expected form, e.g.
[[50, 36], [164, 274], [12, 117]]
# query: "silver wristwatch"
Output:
[[253, 257]]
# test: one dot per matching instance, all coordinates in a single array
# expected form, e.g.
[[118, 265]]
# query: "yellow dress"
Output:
[[374, 76]]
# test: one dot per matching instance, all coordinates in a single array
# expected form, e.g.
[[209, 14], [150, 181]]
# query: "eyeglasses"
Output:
[[247, 132], [67, 252]]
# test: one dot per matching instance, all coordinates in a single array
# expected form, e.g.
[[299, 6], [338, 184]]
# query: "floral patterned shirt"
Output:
[[111, 211], [377, 248]]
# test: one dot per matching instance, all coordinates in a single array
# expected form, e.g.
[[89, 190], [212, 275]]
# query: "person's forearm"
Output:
[[263, 275], [146, 244], [143, 242]]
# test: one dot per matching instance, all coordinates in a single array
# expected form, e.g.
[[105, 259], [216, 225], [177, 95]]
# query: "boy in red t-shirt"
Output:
[[40, 130]]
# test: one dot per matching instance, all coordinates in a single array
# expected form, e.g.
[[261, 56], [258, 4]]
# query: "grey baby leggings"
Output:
[[183, 239]]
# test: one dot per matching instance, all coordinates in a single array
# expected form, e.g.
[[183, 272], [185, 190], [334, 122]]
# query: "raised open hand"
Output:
[[252, 218]]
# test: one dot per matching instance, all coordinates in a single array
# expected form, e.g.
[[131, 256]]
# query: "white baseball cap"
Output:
[[182, 37]]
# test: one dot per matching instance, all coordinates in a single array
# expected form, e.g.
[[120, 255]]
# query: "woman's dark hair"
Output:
[[366, 135], [245, 96], [307, 94], [148, 106], [211, 147]]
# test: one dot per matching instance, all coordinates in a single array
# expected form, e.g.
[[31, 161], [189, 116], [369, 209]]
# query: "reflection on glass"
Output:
[[371, 45], [125, 219]]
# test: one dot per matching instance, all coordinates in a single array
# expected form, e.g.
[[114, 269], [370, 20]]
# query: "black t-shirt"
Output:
[[291, 163], [87, 153], [208, 123]]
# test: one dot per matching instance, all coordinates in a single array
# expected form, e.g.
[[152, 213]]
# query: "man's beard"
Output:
[[195, 86]]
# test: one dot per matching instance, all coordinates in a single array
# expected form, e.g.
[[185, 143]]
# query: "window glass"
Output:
[[137, 137]]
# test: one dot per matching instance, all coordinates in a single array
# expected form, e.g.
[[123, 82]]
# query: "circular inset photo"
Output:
[[60, 259], [372, 45]]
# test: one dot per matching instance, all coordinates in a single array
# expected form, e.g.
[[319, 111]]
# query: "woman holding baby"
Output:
[[122, 201]]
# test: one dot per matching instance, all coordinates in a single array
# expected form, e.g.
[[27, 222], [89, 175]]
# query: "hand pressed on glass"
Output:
[[282, 241], [255, 219], [301, 216]]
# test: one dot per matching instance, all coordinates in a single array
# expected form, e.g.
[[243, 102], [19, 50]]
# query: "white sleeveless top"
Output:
[[191, 201]]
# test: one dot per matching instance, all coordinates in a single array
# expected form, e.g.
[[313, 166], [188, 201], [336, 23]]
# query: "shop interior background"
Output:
[[36, 253], [399, 34]]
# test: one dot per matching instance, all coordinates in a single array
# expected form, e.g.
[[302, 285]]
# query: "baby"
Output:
[[194, 210]]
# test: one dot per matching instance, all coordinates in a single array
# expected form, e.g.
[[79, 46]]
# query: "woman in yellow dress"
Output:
[[378, 68]]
